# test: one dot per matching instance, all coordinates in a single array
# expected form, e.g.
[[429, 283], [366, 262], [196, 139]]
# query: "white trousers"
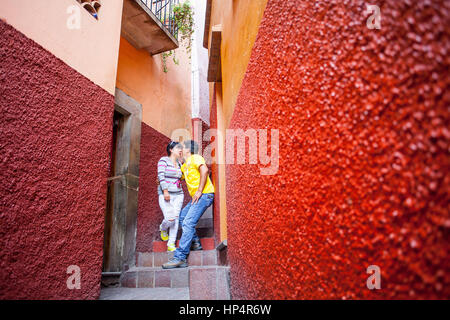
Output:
[[171, 211]]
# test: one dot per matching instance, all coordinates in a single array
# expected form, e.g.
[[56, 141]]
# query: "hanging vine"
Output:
[[184, 20], [167, 54]]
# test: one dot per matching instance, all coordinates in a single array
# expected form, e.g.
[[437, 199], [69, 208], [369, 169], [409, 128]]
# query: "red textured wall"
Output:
[[199, 127], [55, 136], [364, 154], [153, 147]]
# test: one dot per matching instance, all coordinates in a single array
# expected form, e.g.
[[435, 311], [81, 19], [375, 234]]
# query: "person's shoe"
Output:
[[171, 247], [175, 263], [164, 235], [196, 246]]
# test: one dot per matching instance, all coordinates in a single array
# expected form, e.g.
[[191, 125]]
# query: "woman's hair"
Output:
[[170, 146]]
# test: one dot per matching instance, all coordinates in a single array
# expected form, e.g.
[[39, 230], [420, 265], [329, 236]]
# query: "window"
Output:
[[91, 6]]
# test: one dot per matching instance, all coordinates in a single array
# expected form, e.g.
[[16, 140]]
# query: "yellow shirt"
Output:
[[192, 175]]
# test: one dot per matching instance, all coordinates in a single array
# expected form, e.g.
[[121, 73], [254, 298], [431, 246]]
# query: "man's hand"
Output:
[[203, 169], [196, 196], [166, 195]]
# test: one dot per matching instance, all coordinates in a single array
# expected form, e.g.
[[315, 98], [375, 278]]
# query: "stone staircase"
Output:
[[205, 278]]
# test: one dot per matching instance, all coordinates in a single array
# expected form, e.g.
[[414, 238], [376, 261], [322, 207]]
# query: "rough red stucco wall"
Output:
[[364, 154], [153, 147], [55, 136], [199, 127]]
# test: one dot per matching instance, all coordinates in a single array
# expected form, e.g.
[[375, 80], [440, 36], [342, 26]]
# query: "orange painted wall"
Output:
[[165, 97]]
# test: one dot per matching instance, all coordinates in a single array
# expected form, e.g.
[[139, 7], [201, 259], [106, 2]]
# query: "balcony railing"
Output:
[[163, 10], [150, 25]]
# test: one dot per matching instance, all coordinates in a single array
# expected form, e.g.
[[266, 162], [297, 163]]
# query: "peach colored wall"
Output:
[[240, 21], [165, 97], [91, 50]]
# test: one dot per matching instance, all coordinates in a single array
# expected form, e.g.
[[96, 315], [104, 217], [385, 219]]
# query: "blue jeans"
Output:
[[189, 217]]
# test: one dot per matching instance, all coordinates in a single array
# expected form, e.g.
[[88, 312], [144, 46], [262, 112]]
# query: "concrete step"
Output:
[[204, 282], [155, 277], [121, 293], [195, 258], [209, 283], [206, 220], [161, 246], [204, 227], [202, 232]]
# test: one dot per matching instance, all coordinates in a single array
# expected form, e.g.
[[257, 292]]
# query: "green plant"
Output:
[[164, 59], [184, 20]]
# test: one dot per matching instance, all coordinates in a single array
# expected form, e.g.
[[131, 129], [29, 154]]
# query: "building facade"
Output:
[[88, 109], [324, 124], [360, 116]]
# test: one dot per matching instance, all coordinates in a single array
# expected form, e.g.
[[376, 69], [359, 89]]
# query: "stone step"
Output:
[[204, 282], [195, 258], [161, 246], [202, 232], [206, 220], [204, 227], [204, 223], [209, 283], [121, 293], [155, 277]]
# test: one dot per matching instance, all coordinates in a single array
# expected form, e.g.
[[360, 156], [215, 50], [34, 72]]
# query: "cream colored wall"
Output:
[[92, 50]]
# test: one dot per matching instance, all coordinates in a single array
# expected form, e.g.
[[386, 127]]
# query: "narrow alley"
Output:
[[224, 150]]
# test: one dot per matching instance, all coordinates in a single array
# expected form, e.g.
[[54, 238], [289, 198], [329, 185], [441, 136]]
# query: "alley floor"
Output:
[[121, 293]]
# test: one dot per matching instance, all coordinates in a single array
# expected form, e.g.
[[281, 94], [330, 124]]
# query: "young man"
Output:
[[195, 173]]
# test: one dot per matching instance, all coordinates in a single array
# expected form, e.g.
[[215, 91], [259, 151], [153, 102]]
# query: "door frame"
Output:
[[123, 188]]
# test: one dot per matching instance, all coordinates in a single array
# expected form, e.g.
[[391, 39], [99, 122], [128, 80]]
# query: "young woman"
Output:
[[170, 193]]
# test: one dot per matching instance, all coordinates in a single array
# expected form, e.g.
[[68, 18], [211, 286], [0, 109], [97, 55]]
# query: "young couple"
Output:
[[182, 163]]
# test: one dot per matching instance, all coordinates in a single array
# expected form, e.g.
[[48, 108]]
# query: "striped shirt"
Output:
[[169, 176]]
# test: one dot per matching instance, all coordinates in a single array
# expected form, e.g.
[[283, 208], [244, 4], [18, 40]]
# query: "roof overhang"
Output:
[[207, 23], [214, 64]]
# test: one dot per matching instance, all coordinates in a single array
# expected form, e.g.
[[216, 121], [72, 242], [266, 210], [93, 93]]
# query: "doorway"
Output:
[[119, 244]]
